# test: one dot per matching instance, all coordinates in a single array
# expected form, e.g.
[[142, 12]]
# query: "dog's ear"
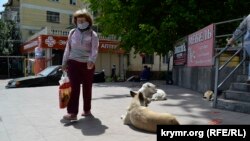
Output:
[[141, 97], [132, 93], [150, 85]]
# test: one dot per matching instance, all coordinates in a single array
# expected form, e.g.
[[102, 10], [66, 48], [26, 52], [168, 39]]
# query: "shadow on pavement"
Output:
[[112, 96], [89, 125], [139, 130]]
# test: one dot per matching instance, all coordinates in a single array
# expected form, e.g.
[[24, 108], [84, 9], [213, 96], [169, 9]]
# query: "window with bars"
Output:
[[148, 59], [53, 17], [72, 2]]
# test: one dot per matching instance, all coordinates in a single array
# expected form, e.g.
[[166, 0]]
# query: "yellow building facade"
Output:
[[36, 15]]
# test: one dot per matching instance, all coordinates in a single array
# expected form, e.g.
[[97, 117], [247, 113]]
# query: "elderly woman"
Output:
[[79, 61]]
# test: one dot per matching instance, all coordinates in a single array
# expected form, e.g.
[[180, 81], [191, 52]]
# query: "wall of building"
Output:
[[158, 68], [33, 15], [106, 60], [201, 79], [16, 3], [135, 63]]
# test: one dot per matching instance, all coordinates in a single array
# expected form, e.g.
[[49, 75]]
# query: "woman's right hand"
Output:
[[230, 41]]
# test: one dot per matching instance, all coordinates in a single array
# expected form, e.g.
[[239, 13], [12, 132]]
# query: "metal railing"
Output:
[[50, 31], [218, 67]]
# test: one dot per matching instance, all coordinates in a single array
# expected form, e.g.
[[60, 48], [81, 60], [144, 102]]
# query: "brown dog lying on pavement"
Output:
[[141, 117], [208, 95]]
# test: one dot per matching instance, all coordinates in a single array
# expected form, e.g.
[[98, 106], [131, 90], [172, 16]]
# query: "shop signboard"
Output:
[[29, 46], [180, 52], [55, 42], [200, 47], [106, 46], [45, 41], [59, 42]]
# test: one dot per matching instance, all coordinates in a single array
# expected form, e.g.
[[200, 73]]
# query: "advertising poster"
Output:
[[200, 47], [180, 52]]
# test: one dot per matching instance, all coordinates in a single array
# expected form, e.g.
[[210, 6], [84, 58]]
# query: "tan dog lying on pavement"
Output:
[[141, 117], [208, 95]]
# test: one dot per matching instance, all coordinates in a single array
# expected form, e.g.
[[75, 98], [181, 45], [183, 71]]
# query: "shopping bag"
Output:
[[64, 90]]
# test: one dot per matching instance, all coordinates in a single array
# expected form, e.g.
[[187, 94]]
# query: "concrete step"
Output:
[[237, 95], [240, 87], [241, 78], [233, 105]]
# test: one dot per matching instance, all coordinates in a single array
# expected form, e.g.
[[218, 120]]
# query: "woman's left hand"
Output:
[[90, 65]]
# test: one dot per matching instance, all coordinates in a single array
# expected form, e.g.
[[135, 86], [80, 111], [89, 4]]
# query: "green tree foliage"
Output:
[[9, 38], [154, 25]]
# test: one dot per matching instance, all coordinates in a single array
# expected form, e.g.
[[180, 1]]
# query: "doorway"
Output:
[[57, 56]]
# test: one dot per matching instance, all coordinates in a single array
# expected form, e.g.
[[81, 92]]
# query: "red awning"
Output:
[[59, 42]]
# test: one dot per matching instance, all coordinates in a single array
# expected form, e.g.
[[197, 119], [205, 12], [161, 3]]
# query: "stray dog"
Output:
[[208, 95], [159, 95], [141, 117], [148, 89]]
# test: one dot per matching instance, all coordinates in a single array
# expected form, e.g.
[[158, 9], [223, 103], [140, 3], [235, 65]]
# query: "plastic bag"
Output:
[[64, 91]]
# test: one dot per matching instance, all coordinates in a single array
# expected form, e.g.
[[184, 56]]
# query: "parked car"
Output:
[[49, 76]]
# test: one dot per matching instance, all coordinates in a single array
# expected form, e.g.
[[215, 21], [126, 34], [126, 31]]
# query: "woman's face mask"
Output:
[[83, 25]]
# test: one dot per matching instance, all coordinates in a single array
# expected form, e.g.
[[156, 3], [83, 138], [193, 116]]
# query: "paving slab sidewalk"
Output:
[[28, 114]]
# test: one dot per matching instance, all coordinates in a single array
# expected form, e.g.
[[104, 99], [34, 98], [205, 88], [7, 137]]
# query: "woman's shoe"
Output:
[[70, 117], [86, 113]]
